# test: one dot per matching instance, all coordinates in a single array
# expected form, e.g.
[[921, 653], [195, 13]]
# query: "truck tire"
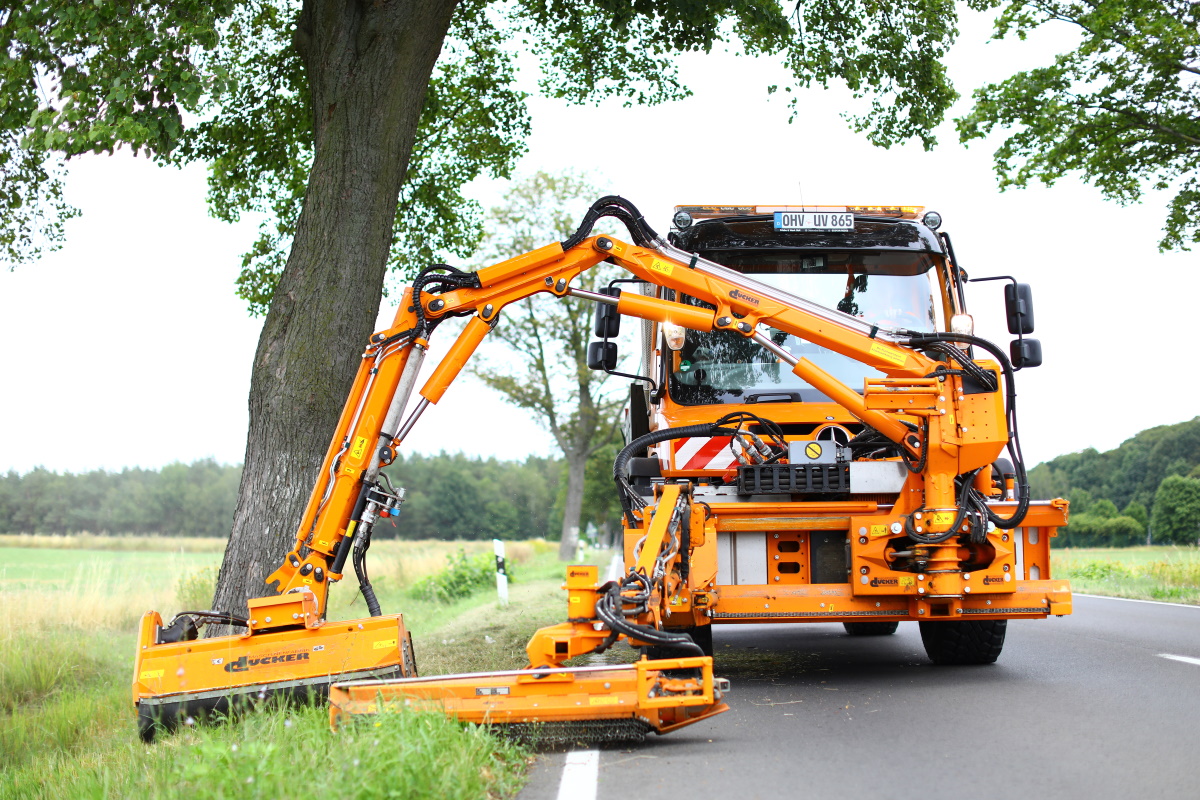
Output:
[[963, 641], [870, 628]]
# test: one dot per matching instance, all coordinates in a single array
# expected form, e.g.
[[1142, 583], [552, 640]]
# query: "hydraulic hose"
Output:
[[1014, 442], [625, 492], [608, 611], [619, 208], [360, 569]]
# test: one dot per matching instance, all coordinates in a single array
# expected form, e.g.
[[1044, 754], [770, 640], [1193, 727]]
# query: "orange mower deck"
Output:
[[550, 706], [173, 682]]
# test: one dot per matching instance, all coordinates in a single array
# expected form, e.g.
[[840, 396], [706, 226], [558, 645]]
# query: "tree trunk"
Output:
[[368, 66], [573, 509]]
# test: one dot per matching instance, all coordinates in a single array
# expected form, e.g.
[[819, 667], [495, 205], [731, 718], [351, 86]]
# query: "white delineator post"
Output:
[[501, 572]]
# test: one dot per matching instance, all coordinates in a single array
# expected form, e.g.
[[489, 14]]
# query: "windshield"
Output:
[[890, 289]]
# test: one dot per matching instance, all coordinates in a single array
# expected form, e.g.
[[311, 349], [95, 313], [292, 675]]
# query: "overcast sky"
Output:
[[129, 348]]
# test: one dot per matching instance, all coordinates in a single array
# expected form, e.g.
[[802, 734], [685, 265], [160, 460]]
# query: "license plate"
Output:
[[813, 221]]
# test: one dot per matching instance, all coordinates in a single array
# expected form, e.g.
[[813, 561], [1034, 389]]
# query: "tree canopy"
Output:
[[354, 126], [1131, 472], [1176, 516], [544, 368], [225, 83], [1130, 477], [1121, 110]]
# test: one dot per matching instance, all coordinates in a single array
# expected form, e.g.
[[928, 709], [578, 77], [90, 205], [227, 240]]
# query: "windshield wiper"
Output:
[[785, 397]]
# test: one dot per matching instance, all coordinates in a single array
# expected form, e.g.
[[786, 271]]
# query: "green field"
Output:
[[1166, 573], [67, 726], [36, 567]]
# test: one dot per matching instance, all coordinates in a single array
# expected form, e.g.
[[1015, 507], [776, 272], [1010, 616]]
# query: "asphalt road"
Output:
[[1077, 707]]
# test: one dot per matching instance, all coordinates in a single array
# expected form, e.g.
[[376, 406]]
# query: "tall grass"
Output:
[[33, 667], [1169, 574], [89, 597], [67, 727]]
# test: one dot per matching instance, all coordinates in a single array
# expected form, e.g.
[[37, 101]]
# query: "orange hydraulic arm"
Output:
[[923, 414]]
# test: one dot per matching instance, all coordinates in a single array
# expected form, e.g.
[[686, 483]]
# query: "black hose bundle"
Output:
[[361, 545], [972, 508], [610, 610], [619, 208], [971, 496], [631, 500], [437, 283], [213, 618]]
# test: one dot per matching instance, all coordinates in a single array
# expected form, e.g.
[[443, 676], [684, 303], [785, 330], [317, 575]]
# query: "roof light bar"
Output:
[[699, 212]]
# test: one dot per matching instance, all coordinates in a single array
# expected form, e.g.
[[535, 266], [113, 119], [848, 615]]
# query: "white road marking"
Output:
[[1132, 600], [1184, 659], [580, 773], [614, 567]]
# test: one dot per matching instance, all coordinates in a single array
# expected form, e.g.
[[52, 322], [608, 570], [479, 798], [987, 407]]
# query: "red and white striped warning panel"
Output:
[[701, 452]]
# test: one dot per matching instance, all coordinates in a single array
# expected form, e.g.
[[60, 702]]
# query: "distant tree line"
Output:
[[178, 500], [1147, 487], [450, 496]]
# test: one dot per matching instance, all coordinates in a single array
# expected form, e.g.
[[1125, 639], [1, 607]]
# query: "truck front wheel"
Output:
[[963, 641]]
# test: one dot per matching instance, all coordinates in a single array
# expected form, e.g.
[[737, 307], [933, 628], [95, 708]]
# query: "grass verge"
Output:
[[67, 728], [1170, 574]]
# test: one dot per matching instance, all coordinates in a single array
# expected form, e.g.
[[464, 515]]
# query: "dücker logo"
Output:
[[884, 582], [738, 295], [243, 664]]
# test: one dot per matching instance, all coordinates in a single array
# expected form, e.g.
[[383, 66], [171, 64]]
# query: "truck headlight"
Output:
[[675, 335]]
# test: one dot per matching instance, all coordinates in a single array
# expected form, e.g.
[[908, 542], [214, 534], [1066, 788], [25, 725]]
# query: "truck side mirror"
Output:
[[1018, 306], [1025, 353], [602, 355], [608, 321]]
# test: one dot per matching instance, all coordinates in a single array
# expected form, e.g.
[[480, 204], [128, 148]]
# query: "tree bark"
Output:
[[572, 509], [368, 66]]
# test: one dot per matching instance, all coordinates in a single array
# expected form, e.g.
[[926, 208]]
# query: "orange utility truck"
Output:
[[815, 434]]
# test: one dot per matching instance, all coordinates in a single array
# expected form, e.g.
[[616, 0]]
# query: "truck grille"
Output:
[[794, 479]]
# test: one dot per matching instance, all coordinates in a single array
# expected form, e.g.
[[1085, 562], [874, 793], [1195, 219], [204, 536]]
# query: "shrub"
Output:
[[462, 577], [1099, 570], [195, 590]]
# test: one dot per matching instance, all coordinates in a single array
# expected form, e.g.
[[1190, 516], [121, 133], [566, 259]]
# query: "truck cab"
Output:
[[819, 535]]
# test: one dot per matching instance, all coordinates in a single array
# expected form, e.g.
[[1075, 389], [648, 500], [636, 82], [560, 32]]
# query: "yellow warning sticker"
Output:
[[382, 643], [942, 517], [879, 530], [888, 354], [661, 266], [908, 581], [360, 446], [812, 450], [150, 674], [602, 701]]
